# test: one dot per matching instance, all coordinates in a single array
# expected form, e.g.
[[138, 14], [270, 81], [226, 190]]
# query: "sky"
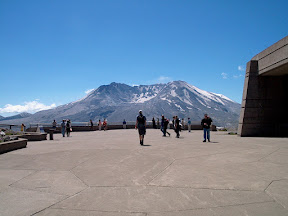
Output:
[[54, 52]]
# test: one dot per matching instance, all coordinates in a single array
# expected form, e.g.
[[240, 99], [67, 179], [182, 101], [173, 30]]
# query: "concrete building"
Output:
[[264, 109]]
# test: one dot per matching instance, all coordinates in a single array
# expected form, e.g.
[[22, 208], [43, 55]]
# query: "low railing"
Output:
[[86, 126], [12, 127]]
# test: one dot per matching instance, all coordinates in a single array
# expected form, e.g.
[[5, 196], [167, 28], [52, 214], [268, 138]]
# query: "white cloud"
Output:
[[164, 79], [161, 79], [241, 68], [30, 107], [89, 91], [224, 75], [237, 76]]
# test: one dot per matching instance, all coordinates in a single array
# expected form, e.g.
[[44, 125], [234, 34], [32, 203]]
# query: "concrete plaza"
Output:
[[108, 173]]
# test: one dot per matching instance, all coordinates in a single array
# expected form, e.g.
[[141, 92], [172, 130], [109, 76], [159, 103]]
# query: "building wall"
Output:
[[265, 94]]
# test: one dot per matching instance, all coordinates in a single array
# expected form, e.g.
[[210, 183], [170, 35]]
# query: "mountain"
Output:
[[16, 117], [120, 101]]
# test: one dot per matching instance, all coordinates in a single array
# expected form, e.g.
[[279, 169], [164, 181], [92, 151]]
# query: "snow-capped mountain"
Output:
[[120, 101]]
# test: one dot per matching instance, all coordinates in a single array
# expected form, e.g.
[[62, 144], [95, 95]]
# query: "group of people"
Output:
[[176, 123], [66, 127], [100, 124], [181, 123], [206, 122]]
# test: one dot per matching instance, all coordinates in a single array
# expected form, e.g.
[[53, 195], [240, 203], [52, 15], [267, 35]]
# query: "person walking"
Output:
[[63, 128], [177, 126], [99, 125], [162, 125], [54, 125], [91, 124], [153, 123], [141, 125], [166, 122], [189, 125], [124, 124], [206, 123], [68, 127]]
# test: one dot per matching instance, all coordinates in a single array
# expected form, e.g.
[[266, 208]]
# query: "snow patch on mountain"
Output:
[[142, 98], [166, 99], [187, 101], [173, 93], [201, 102], [223, 96], [207, 96], [182, 110]]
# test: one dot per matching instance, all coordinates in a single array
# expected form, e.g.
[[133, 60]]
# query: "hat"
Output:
[[140, 111]]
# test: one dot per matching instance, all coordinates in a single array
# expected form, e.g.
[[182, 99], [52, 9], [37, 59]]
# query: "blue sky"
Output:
[[52, 52]]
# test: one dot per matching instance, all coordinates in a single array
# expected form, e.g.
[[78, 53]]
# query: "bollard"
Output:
[[51, 133]]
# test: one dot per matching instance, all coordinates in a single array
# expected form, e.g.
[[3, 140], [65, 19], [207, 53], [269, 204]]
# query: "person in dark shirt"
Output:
[[91, 124], [68, 127], [54, 124], [154, 123], [124, 124], [141, 125], [206, 123], [177, 126], [165, 126], [162, 125]]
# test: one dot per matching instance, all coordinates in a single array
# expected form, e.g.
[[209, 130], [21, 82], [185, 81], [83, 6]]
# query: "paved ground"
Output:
[[110, 174]]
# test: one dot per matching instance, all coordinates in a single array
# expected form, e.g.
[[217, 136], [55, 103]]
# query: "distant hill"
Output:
[[15, 117], [119, 101]]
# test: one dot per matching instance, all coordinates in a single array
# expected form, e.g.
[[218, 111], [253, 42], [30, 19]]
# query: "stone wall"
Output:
[[115, 127], [265, 94], [12, 145]]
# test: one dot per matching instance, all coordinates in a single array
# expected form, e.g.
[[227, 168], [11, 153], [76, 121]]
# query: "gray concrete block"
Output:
[[157, 199], [278, 190], [57, 182], [12, 145], [19, 202], [110, 174]]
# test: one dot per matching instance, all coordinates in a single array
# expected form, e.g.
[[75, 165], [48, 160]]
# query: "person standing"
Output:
[[99, 125], [141, 125], [183, 124], [206, 123], [105, 125], [54, 124], [23, 127], [153, 123], [124, 124], [189, 125], [91, 124], [177, 126], [63, 128], [68, 127], [158, 123]]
